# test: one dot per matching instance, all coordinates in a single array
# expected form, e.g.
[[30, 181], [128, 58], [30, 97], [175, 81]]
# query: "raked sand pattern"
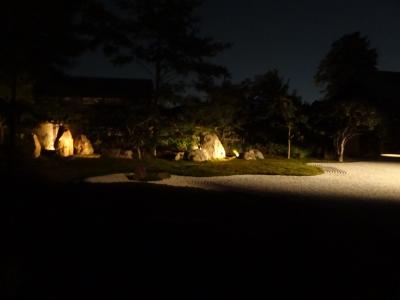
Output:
[[363, 180]]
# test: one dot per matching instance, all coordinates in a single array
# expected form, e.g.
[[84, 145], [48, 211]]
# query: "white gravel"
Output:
[[364, 180]]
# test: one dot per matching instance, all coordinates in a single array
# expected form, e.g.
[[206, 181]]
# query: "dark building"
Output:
[[387, 93], [94, 90], [388, 89]]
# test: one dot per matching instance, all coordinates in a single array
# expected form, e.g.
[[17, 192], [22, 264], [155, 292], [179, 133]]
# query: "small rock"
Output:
[[179, 156], [82, 145], [253, 154]]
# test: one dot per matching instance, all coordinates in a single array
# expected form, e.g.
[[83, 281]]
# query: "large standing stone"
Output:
[[38, 148], [82, 145], [47, 133], [180, 156], [198, 155], [211, 144], [65, 144]]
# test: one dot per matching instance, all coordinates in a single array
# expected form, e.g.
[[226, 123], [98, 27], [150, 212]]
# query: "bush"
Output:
[[183, 143], [301, 152], [275, 149]]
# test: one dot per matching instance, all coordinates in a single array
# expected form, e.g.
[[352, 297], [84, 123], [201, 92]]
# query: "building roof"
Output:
[[69, 86]]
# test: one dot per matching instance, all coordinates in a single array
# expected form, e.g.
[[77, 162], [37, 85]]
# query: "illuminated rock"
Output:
[[65, 144], [46, 133], [211, 144], [38, 148], [82, 145], [180, 155], [253, 154], [198, 155]]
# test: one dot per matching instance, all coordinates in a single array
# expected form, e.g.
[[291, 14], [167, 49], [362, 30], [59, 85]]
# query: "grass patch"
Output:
[[75, 169]]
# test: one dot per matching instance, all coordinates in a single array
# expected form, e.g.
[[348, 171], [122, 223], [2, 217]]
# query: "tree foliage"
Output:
[[344, 121], [164, 37], [272, 108], [348, 68]]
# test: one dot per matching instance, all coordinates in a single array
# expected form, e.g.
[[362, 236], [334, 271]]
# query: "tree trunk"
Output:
[[289, 142], [341, 151], [139, 152], [155, 151]]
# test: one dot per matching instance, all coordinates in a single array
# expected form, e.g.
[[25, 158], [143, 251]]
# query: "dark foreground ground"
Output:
[[153, 242]]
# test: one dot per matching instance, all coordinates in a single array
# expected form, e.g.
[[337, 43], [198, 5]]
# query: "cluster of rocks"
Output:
[[210, 148], [53, 137], [49, 137], [253, 154]]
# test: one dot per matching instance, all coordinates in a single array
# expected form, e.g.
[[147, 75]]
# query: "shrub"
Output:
[[301, 152], [275, 149]]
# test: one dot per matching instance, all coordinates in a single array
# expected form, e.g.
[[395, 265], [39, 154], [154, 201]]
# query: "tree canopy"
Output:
[[348, 68], [164, 37], [273, 111]]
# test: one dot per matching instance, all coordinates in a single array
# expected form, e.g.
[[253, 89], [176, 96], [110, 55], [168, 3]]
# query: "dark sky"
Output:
[[289, 35]]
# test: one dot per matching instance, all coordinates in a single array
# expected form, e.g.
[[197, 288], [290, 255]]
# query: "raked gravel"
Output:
[[364, 180]]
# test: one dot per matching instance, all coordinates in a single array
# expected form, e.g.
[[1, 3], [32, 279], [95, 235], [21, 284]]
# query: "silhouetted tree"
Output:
[[272, 106], [286, 109], [347, 73], [163, 36], [347, 69], [344, 121]]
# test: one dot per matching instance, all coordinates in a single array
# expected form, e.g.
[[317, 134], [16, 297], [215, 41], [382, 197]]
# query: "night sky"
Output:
[[289, 35]]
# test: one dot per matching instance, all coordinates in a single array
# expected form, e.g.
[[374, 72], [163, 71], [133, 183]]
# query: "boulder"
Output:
[[82, 145], [47, 133], [65, 144], [179, 156], [28, 146], [38, 148], [140, 172], [211, 144], [253, 154], [198, 155]]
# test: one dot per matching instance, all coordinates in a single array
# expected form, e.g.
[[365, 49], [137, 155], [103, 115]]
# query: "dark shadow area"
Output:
[[141, 241]]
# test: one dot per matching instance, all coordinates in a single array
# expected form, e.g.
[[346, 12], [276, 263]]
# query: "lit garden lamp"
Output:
[[234, 156]]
